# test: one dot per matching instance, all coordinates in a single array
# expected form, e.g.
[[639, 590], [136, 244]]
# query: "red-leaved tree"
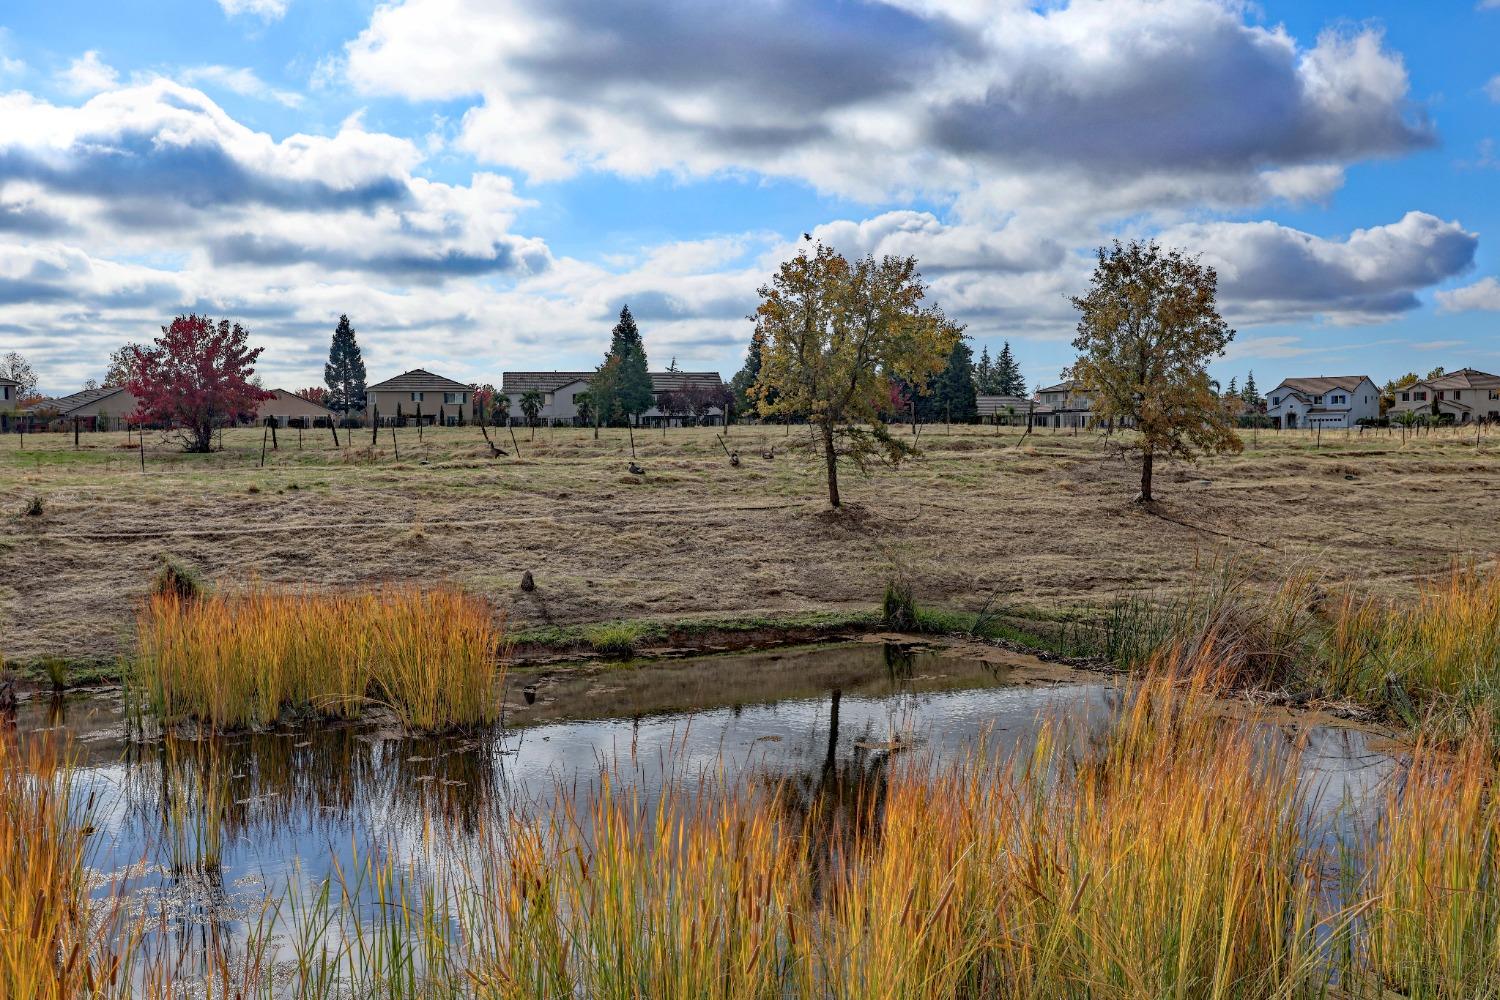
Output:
[[316, 393], [196, 376]]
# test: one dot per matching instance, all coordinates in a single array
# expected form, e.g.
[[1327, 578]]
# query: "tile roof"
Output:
[[515, 383], [990, 406], [1464, 378], [418, 380], [67, 404], [283, 394], [1323, 383]]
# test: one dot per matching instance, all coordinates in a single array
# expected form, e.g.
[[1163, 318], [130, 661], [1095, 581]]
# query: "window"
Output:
[[1419, 396], [1275, 400], [416, 397], [1457, 393], [455, 397], [1317, 400], [1440, 394], [1494, 394], [1406, 397], [1338, 399]]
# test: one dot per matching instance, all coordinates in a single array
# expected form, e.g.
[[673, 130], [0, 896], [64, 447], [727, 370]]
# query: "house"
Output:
[[1324, 401], [1065, 404], [561, 391], [1004, 409], [10, 394], [289, 409], [1462, 396], [104, 409], [436, 399]]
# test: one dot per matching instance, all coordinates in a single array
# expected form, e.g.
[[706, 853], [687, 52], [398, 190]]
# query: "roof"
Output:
[[67, 404], [8, 381], [284, 394], [418, 380], [1067, 386], [514, 383], [990, 406], [1324, 383], [1464, 378]]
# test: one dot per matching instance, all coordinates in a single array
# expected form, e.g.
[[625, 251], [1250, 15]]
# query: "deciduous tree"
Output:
[[121, 360], [16, 368], [196, 376], [835, 335], [344, 373], [1148, 327]]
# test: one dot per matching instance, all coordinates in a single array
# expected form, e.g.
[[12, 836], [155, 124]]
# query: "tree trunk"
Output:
[[831, 457], [1145, 496]]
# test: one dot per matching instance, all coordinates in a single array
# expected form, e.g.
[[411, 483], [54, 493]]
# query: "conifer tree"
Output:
[[1008, 380], [1234, 387], [344, 374], [952, 395], [743, 383], [984, 372], [631, 385], [1251, 394]]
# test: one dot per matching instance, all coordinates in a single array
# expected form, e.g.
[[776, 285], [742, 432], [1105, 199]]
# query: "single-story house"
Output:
[[105, 409], [1464, 396], [1004, 409], [437, 399], [560, 391], [289, 409], [1325, 401]]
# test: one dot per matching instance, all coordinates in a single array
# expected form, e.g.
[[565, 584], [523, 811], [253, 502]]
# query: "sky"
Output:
[[481, 184]]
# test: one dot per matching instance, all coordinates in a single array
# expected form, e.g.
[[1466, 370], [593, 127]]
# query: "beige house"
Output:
[[1464, 396], [106, 409], [1065, 404], [291, 410], [10, 392], [437, 399], [561, 391]]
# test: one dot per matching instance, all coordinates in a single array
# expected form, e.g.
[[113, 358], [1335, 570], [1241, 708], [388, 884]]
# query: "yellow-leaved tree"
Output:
[[836, 335], [1149, 327]]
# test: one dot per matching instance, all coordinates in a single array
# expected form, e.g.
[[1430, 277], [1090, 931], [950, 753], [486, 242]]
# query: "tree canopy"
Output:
[[1148, 327], [196, 376], [836, 335], [1008, 380], [628, 392], [16, 368], [344, 374]]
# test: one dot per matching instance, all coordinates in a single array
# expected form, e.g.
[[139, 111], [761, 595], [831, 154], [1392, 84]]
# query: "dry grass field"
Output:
[[1045, 522]]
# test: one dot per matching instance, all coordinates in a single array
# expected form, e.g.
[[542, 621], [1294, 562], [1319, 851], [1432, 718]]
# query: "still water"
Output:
[[295, 800]]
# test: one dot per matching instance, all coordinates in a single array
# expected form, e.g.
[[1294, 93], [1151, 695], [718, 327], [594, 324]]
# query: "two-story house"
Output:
[[1066, 404], [1325, 401], [1463, 396], [437, 399]]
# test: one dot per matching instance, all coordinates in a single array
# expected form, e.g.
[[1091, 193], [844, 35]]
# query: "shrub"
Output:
[[34, 507], [175, 577], [898, 609]]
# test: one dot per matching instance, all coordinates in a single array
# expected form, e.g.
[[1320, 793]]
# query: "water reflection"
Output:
[[203, 826]]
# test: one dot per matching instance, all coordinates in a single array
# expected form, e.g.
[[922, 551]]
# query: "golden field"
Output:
[[1044, 521]]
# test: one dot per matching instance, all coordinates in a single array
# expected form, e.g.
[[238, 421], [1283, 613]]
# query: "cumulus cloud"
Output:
[[266, 10], [1482, 295], [1271, 273], [874, 98], [158, 158], [88, 74], [240, 80]]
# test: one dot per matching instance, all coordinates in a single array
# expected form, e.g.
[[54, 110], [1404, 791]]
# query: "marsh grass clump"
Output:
[[1434, 662], [432, 657], [177, 578], [613, 638], [1432, 891], [33, 507], [47, 920], [898, 607]]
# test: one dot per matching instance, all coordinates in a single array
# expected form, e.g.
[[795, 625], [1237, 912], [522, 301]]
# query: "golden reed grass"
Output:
[[1169, 855], [230, 660]]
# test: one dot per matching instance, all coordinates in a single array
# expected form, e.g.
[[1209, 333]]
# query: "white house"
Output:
[[1463, 396], [1324, 401]]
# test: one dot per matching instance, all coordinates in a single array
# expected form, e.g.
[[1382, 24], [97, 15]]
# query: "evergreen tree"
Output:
[[984, 373], [1008, 380], [631, 389], [344, 374], [744, 380], [952, 395], [1234, 387], [1251, 394]]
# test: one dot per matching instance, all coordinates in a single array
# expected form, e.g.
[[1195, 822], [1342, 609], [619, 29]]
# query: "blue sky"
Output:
[[480, 184]]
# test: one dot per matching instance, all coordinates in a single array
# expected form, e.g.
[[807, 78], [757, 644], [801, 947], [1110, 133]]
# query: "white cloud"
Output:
[[9, 65], [266, 10], [88, 74], [1492, 89], [1482, 296], [240, 80]]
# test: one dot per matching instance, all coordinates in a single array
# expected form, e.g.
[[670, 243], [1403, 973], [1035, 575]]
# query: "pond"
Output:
[[294, 801]]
